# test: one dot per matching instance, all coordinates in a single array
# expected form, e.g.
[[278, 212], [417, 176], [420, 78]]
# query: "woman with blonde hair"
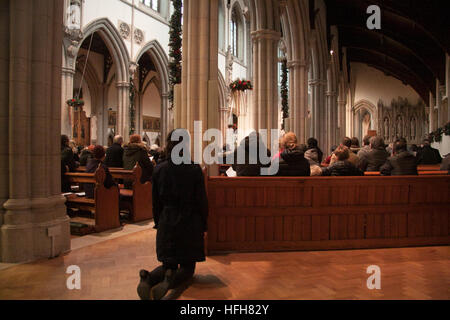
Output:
[[292, 161]]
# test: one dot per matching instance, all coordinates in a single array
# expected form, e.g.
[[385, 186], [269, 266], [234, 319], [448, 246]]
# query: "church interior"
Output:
[[103, 74]]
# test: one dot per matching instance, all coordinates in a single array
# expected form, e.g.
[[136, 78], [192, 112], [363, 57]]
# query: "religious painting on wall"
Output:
[[151, 124], [112, 119]]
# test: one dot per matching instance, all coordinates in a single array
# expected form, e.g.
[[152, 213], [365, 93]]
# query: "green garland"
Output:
[[175, 44], [132, 107], [284, 92], [436, 136]]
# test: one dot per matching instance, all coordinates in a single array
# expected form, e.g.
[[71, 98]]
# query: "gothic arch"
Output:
[[364, 104], [115, 44]]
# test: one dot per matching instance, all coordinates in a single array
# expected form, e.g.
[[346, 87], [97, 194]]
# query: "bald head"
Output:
[[118, 139]]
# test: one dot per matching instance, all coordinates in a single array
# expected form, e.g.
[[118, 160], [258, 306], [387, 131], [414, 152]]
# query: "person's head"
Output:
[[64, 140], [399, 146], [366, 140], [135, 138], [72, 144], [426, 143], [118, 139], [342, 153], [91, 148], [290, 140], [312, 143], [171, 144], [376, 142], [99, 153], [414, 148], [355, 142], [347, 142]]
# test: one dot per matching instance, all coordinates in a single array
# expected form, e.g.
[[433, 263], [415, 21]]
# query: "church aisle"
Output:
[[109, 270]]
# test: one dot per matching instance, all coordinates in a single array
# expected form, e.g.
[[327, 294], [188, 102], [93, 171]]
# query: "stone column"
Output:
[[199, 87], [431, 114], [331, 128], [318, 117], [67, 93], [265, 93], [123, 109], [35, 224], [298, 99], [342, 118], [164, 117]]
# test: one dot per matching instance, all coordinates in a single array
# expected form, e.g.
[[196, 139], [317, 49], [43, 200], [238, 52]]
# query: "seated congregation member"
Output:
[[114, 154], [68, 163], [98, 157], [401, 163], [342, 167], [445, 165], [376, 157], [74, 148], [180, 211], [353, 158], [292, 160], [136, 152], [428, 155], [313, 153], [86, 154], [252, 163], [328, 159], [355, 145], [366, 147]]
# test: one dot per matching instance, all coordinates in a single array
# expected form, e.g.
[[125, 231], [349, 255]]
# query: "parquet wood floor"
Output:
[[109, 270]]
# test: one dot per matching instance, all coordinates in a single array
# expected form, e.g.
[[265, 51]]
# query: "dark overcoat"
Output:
[[180, 211]]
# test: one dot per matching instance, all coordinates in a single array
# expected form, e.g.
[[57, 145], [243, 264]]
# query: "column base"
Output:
[[34, 230]]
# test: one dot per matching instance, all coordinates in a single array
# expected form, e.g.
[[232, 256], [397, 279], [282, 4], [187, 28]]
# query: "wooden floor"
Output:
[[109, 270]]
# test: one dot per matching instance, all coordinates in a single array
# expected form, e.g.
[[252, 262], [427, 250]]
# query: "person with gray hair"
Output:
[[376, 157], [114, 154]]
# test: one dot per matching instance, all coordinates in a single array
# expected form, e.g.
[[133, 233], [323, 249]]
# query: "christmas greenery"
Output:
[[284, 91], [175, 43], [241, 85], [75, 102]]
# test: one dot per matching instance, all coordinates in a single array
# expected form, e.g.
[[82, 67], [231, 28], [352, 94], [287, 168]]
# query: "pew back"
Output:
[[273, 214]]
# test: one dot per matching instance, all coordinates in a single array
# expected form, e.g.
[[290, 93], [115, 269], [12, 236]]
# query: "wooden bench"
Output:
[[420, 173], [105, 204], [325, 213], [137, 200]]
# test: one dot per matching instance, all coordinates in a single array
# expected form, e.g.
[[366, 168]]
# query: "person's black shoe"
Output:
[[144, 287], [160, 290]]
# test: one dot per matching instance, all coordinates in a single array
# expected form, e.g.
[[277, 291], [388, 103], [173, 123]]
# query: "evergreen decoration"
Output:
[[132, 107], [175, 43], [241, 85], [75, 102], [284, 91], [447, 129]]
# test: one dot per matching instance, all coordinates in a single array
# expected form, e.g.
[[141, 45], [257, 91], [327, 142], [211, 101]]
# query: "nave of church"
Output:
[[90, 90]]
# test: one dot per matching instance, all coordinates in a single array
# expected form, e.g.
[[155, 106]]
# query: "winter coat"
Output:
[[314, 156], [342, 168], [91, 167], [85, 156], [137, 153], [114, 156], [180, 211], [403, 163], [373, 160], [292, 162], [252, 164], [428, 155], [363, 151], [353, 159], [68, 164]]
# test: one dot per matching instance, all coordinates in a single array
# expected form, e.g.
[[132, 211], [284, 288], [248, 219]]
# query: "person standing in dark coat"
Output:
[[68, 163], [401, 163], [428, 155], [97, 160], [376, 157], [342, 167], [114, 154], [292, 160], [180, 211], [136, 152]]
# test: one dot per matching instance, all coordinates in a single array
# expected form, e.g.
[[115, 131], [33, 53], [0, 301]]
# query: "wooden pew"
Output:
[[421, 173], [105, 203], [140, 195], [326, 213]]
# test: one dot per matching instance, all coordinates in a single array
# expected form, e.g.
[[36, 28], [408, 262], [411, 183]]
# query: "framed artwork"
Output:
[[112, 119], [151, 124]]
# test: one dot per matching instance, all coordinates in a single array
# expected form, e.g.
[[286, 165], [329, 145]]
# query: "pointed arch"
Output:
[[115, 44], [160, 60]]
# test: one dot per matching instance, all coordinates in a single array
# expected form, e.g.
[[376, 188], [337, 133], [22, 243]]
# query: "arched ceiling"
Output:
[[411, 44]]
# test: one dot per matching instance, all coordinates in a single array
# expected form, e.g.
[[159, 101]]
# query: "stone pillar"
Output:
[[342, 118], [199, 87], [165, 122], [331, 128], [67, 93], [265, 93], [123, 109], [431, 114], [35, 224], [298, 99], [318, 117]]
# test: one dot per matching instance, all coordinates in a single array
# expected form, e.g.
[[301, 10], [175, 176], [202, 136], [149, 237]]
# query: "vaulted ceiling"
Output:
[[411, 44]]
